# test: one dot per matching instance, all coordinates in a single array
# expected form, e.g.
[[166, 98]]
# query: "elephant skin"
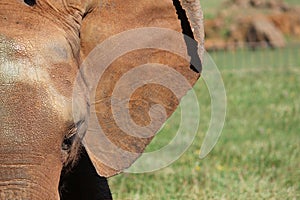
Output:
[[42, 46]]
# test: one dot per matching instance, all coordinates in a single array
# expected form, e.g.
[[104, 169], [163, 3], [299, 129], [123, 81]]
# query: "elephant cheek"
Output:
[[31, 133]]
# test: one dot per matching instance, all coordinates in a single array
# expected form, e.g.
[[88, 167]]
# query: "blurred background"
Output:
[[256, 46]]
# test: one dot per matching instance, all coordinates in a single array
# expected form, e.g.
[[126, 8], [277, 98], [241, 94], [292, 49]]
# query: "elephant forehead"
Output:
[[49, 64], [13, 73]]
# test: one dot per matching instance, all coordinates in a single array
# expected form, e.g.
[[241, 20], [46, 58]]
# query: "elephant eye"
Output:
[[71, 144], [69, 138], [30, 2]]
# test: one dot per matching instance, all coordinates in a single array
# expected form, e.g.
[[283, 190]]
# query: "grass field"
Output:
[[212, 7], [258, 154]]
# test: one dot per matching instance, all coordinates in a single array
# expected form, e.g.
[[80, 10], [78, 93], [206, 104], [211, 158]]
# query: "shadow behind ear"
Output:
[[82, 181]]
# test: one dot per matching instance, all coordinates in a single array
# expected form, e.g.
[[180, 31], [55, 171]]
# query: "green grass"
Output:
[[261, 57], [212, 7], [293, 2], [258, 154]]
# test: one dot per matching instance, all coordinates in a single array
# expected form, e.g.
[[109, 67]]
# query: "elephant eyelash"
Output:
[[71, 144], [71, 136], [69, 139]]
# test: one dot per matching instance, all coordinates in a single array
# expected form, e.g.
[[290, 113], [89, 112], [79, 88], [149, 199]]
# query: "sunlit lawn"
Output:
[[258, 154]]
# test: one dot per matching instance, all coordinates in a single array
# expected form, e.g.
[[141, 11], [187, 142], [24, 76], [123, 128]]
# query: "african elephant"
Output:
[[42, 46]]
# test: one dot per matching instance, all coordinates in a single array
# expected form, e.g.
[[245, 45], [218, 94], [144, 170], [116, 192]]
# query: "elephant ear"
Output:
[[137, 66]]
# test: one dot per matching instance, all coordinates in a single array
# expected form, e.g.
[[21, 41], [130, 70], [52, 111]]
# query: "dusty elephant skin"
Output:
[[42, 44]]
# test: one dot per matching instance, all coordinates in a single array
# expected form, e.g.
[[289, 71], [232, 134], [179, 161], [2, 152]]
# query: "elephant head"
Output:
[[43, 44]]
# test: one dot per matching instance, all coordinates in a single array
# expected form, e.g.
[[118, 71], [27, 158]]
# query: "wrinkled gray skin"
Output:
[[42, 44]]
